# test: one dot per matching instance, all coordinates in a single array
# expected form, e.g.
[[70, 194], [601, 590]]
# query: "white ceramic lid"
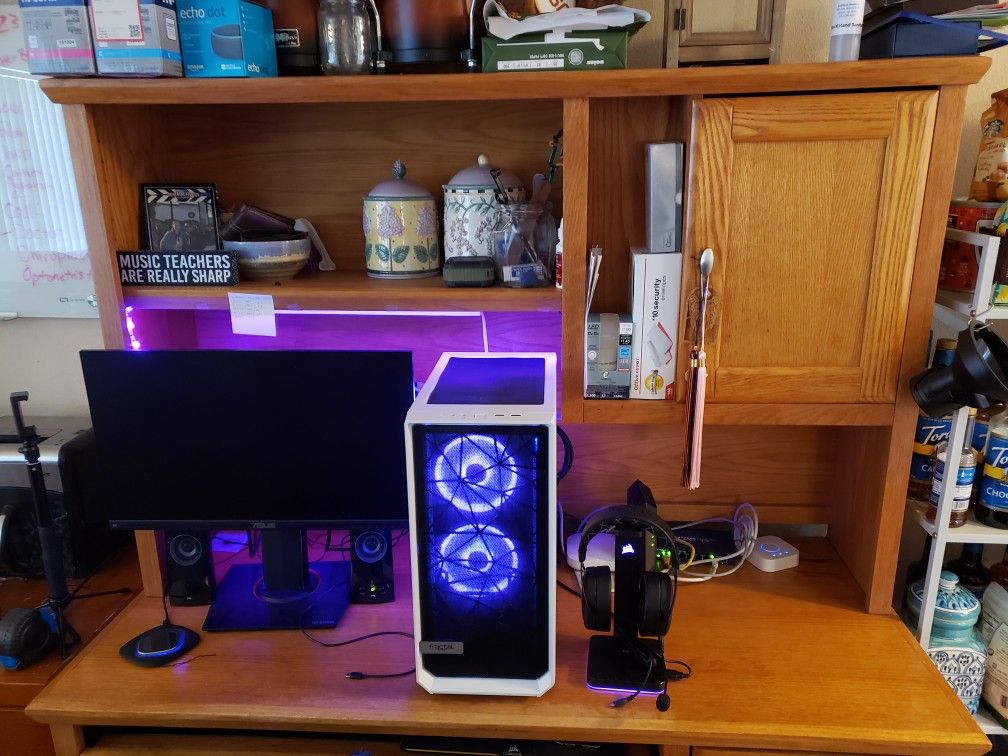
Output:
[[479, 175], [398, 187]]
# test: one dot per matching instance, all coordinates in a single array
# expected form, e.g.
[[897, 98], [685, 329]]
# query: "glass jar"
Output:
[[522, 253], [956, 647], [346, 37], [969, 460]]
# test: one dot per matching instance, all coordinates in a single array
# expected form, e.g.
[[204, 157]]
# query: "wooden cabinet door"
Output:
[[726, 22], [811, 205]]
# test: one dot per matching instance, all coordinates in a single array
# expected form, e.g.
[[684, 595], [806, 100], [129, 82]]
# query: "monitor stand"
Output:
[[285, 592]]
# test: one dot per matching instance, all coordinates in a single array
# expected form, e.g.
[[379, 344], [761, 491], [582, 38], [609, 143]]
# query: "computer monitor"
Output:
[[277, 441]]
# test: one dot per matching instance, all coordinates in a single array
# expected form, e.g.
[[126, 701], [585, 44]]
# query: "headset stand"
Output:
[[612, 666]]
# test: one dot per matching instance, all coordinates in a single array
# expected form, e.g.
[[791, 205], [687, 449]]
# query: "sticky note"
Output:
[[252, 314]]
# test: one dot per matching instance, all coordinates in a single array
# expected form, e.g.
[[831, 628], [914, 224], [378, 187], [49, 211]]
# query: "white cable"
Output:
[[745, 531]]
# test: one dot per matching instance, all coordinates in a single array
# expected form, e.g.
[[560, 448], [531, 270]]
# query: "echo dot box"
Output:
[[226, 38]]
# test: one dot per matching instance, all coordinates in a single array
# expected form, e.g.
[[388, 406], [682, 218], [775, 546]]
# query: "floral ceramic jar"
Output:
[[471, 210], [956, 647], [401, 229]]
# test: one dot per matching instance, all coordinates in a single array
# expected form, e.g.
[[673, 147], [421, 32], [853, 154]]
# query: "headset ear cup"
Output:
[[656, 604], [595, 598]]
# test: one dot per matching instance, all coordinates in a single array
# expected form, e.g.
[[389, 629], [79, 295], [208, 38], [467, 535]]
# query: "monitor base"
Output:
[[240, 605]]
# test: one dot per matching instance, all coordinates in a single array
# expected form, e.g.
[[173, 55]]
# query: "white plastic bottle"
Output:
[[845, 33]]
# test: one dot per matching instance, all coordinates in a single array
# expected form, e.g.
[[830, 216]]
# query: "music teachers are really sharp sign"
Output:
[[197, 268]]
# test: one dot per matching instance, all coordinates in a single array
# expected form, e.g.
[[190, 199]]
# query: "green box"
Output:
[[570, 51]]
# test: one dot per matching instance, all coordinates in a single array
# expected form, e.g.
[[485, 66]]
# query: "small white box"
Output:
[[655, 299]]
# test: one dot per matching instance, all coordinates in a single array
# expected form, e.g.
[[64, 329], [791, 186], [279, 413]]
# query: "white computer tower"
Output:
[[481, 471]]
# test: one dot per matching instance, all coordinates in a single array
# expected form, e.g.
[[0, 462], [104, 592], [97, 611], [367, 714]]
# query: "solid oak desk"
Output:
[[785, 661]]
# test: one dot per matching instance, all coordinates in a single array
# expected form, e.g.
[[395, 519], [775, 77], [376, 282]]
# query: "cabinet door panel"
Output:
[[726, 22], [811, 205]]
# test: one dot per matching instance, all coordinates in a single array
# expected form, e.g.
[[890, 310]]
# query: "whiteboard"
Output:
[[44, 268]]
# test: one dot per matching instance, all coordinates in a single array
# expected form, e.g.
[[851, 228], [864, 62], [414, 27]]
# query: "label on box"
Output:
[[117, 20], [655, 281], [995, 685]]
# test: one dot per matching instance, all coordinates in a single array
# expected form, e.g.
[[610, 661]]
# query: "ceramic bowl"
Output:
[[269, 256]]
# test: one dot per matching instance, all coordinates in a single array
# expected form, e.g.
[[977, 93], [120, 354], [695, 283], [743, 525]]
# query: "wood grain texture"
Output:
[[233, 744], [279, 681], [349, 290], [869, 74], [150, 562], [621, 129], [576, 244], [22, 735], [341, 152], [839, 235], [861, 455], [91, 177], [720, 413], [904, 182], [773, 466], [940, 175], [68, 740]]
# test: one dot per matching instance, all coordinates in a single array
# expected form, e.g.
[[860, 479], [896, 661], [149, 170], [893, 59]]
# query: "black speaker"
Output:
[[188, 567], [371, 580]]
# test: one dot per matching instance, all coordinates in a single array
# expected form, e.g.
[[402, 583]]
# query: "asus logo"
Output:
[[263, 526]]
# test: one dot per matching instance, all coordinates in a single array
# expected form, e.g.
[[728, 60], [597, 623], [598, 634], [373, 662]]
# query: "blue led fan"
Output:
[[475, 473], [481, 512]]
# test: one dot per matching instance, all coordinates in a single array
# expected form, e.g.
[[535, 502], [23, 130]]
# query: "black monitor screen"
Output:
[[243, 439]]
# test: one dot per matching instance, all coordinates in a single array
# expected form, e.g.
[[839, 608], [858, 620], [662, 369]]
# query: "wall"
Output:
[[40, 355]]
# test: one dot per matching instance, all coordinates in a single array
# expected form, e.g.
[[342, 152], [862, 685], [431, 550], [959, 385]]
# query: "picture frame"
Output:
[[179, 217]]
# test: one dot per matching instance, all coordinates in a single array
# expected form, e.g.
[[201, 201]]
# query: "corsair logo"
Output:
[[628, 549], [263, 526]]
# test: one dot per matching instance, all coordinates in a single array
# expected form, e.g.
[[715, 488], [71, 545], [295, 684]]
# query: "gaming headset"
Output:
[[657, 590], [25, 637]]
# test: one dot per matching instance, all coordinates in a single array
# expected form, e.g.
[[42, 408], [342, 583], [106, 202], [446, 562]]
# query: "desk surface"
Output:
[[88, 617], [786, 660]]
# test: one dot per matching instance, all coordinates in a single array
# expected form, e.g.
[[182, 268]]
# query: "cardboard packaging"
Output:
[[136, 37], [561, 51], [655, 280], [959, 268], [227, 38], [58, 37], [608, 346]]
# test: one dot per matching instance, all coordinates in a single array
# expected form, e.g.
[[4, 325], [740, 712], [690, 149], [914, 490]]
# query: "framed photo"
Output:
[[180, 217]]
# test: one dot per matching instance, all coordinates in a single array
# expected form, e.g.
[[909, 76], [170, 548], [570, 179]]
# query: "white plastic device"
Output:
[[773, 554]]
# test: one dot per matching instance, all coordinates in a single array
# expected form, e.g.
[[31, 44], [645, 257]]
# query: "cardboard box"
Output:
[[608, 347], [563, 51], [58, 37], [136, 37], [227, 38], [655, 285]]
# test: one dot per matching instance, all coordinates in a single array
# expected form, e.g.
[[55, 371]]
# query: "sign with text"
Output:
[[197, 268]]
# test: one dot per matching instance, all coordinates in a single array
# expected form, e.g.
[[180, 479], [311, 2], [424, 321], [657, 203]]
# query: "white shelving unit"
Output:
[[957, 309]]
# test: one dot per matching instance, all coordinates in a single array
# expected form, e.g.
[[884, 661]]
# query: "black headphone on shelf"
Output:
[[657, 589]]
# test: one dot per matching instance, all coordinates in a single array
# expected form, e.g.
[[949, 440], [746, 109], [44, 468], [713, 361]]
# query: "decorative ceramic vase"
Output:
[[956, 647], [401, 229], [471, 211]]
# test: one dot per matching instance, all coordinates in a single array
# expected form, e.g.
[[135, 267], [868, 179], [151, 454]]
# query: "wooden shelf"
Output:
[[872, 74], [648, 412], [342, 290]]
